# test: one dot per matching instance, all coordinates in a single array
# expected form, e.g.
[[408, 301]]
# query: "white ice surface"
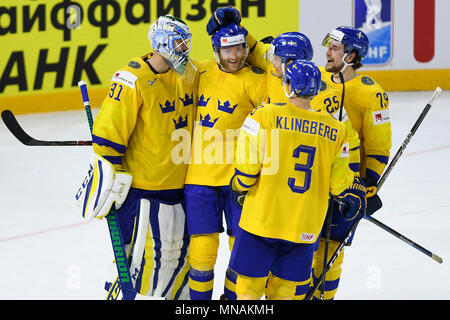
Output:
[[46, 252]]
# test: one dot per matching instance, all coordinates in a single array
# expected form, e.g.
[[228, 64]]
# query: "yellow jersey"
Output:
[[224, 101], [290, 160], [367, 106], [327, 99], [135, 126]]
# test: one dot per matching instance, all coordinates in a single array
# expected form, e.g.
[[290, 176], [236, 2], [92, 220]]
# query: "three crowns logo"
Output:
[[168, 107], [202, 102], [206, 121], [226, 107], [180, 123], [187, 100]]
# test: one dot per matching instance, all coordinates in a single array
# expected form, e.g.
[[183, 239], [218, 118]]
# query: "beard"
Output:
[[334, 68]]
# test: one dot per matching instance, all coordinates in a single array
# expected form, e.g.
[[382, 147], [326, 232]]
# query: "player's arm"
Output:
[[249, 154], [344, 185], [117, 118], [376, 131]]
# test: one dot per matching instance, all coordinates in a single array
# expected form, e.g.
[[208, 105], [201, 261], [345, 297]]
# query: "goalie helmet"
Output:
[[171, 38], [291, 45], [304, 77], [354, 40]]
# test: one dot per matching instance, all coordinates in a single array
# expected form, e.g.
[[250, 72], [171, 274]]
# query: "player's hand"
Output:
[[373, 200], [221, 17], [354, 200]]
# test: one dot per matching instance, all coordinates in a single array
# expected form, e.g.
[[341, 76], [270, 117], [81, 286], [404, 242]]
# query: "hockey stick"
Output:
[[373, 220], [14, 127], [126, 285]]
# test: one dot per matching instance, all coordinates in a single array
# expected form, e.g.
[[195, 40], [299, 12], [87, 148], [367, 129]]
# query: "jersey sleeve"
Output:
[[377, 133], [249, 153], [116, 119], [341, 175], [258, 55]]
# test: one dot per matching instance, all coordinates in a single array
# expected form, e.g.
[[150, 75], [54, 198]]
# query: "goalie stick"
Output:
[[120, 255], [381, 181], [14, 127]]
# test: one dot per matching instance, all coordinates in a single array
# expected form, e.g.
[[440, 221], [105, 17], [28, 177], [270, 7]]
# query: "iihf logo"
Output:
[[206, 121], [187, 100], [168, 107], [202, 102], [226, 107], [181, 123]]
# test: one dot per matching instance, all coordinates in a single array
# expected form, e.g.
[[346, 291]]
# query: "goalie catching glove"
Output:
[[101, 188], [353, 200]]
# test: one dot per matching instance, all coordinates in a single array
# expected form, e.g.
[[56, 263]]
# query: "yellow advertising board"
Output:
[[48, 46]]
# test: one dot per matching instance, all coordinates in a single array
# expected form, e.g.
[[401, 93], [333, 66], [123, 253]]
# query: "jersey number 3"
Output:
[[306, 168]]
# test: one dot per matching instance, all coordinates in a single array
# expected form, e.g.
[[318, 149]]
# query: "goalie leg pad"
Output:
[[165, 265]]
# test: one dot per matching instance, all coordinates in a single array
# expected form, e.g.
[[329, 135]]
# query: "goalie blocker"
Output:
[[101, 188]]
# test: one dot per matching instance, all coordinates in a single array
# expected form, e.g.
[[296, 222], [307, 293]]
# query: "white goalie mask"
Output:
[[171, 38]]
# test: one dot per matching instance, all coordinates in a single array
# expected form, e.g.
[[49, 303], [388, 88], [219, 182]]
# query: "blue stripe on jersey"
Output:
[[372, 174], [114, 159], [243, 184], [108, 143], [355, 148], [382, 159], [237, 172], [355, 167]]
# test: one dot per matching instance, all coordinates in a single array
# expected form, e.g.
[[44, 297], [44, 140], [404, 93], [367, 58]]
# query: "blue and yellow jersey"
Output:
[[328, 98], [290, 160], [134, 127], [367, 106], [224, 101]]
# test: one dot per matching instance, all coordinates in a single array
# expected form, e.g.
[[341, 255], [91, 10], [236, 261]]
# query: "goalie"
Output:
[[148, 100]]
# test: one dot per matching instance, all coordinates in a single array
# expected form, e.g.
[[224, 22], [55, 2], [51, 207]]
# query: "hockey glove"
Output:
[[373, 200], [101, 188], [353, 200], [236, 196], [221, 17]]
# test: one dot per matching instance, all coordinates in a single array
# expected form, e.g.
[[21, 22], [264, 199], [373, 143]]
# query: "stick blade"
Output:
[[14, 127]]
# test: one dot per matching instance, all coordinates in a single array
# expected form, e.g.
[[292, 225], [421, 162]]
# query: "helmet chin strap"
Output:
[[346, 64]]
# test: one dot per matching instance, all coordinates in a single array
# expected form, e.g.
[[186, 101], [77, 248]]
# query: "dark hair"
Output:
[[356, 61]]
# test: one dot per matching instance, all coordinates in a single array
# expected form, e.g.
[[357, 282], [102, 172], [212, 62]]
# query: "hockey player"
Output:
[[228, 90], [284, 211], [367, 106], [148, 101]]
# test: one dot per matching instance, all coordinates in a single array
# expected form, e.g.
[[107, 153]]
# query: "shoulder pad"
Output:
[[257, 70], [134, 64], [367, 80]]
